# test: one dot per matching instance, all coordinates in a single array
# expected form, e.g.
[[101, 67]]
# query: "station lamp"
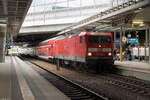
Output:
[[3, 20], [129, 35], [140, 8], [138, 22]]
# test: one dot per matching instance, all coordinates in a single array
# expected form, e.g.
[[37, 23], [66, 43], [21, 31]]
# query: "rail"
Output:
[[70, 88]]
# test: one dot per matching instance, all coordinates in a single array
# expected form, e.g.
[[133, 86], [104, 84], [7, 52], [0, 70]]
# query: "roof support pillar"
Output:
[[146, 43], [115, 39], [5, 6], [149, 42], [2, 41]]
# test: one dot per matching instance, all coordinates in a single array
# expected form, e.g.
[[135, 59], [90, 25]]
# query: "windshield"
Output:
[[99, 39]]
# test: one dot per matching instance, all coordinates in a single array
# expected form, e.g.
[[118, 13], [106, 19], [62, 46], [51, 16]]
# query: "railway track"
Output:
[[68, 87], [132, 84]]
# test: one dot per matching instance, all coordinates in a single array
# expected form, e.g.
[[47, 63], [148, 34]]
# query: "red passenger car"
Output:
[[46, 49], [85, 48]]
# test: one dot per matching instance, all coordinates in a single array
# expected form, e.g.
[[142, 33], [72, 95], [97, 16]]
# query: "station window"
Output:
[[81, 39]]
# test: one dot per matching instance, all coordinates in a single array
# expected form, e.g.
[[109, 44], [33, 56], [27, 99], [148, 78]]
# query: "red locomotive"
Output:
[[81, 49]]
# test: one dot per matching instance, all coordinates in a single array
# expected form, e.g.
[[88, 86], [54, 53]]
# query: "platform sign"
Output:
[[117, 41], [133, 40], [9, 44]]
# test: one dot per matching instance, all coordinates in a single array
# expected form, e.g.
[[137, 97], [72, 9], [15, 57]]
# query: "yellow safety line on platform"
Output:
[[121, 58]]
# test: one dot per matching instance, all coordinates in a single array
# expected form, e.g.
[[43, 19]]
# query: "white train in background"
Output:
[[16, 50], [13, 50]]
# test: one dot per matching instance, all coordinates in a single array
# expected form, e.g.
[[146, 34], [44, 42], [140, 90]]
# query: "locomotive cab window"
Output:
[[81, 39], [99, 39]]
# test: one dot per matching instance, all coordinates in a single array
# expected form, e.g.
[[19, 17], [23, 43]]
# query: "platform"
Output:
[[20, 82], [134, 68]]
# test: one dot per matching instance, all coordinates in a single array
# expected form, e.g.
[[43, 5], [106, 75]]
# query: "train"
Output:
[[83, 49]]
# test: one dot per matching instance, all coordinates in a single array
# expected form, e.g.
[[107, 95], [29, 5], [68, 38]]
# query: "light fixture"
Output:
[[89, 54], [3, 25], [3, 20], [140, 8], [138, 22]]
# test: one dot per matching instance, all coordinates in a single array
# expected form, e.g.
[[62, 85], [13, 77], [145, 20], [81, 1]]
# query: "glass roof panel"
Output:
[[50, 10], [52, 5]]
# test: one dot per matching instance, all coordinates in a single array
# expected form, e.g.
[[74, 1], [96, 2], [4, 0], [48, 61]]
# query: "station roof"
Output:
[[109, 20], [112, 19], [13, 13], [48, 17]]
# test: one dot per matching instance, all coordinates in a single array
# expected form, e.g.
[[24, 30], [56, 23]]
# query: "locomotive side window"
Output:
[[99, 39], [81, 39]]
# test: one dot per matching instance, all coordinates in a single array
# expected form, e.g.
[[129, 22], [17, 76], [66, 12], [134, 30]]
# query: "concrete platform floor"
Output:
[[134, 68], [20, 82], [138, 66]]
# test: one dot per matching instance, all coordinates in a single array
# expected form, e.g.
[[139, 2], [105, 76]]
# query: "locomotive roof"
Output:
[[94, 33], [54, 38], [61, 37], [76, 34]]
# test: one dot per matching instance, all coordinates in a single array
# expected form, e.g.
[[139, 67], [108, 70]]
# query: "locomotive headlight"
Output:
[[109, 54], [89, 54]]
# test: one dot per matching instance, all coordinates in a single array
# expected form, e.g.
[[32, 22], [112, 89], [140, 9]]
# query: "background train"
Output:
[[85, 49]]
